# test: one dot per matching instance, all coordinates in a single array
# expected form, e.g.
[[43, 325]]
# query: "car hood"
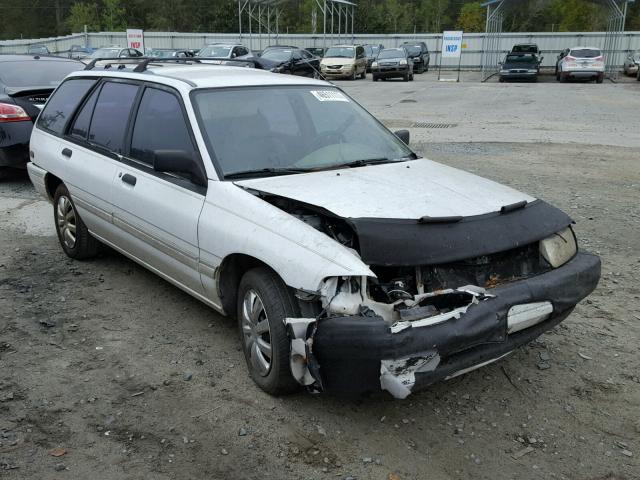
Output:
[[403, 190], [337, 61]]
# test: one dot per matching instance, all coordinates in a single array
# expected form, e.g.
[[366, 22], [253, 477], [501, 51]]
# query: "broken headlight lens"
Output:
[[559, 248]]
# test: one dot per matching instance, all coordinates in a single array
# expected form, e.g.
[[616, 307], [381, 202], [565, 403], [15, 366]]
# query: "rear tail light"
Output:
[[12, 113]]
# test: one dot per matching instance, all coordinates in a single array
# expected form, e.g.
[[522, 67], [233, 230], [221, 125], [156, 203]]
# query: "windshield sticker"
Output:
[[329, 96]]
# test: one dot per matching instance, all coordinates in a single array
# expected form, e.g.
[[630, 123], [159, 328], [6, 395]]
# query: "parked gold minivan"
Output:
[[344, 61]]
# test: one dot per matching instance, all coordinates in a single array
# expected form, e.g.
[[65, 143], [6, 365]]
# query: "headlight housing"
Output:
[[559, 248], [403, 62], [374, 64]]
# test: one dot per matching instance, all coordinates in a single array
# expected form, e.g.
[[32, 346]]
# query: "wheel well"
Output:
[[51, 183], [230, 272]]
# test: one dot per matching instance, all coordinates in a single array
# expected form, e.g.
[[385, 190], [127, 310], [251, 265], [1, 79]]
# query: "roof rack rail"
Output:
[[141, 63]]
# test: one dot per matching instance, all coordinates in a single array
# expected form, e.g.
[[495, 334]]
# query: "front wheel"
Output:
[[73, 234], [263, 303], [405, 78], [354, 75], [363, 75], [375, 79]]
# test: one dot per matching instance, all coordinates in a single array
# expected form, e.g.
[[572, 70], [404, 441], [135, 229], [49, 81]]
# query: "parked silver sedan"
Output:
[[631, 63]]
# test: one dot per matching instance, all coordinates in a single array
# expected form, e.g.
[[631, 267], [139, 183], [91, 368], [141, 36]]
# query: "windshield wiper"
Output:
[[256, 172], [375, 161]]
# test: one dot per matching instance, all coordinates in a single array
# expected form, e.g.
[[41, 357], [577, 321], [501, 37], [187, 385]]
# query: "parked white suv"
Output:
[[580, 62], [351, 264]]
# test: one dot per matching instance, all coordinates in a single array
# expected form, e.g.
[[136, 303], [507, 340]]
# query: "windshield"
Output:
[[413, 49], [520, 59], [294, 127], [105, 53], [585, 53], [391, 53], [36, 73], [215, 51], [277, 54], [340, 52]]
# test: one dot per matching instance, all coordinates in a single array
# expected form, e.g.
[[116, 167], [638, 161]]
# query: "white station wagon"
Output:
[[351, 264]]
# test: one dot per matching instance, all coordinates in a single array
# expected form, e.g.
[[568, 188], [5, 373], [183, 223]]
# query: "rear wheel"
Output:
[[411, 77], [73, 235], [600, 78], [263, 303]]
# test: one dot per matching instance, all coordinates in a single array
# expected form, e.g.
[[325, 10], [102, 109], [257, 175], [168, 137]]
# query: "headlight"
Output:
[[276, 69], [559, 248], [504, 71], [532, 71], [403, 62], [374, 64]]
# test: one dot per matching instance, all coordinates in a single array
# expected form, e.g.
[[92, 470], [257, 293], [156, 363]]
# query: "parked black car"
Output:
[[25, 84], [372, 51], [520, 66], [392, 63], [419, 54], [294, 61]]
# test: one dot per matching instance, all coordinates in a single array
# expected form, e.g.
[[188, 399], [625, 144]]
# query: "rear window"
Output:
[[585, 53], [36, 73], [63, 103]]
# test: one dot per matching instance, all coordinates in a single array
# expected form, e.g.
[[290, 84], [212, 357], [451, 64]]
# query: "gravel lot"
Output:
[[108, 372]]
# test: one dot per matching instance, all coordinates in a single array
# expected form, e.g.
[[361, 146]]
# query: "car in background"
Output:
[[372, 51], [344, 61], [419, 54], [525, 48], [580, 62], [292, 61], [116, 52], [317, 51], [78, 52], [38, 50], [520, 66], [26, 81], [631, 63], [169, 53], [224, 50], [392, 63]]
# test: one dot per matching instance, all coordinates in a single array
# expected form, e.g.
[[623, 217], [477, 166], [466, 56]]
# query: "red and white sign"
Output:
[[135, 39]]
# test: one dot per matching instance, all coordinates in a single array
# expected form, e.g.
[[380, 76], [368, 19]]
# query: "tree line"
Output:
[[44, 18]]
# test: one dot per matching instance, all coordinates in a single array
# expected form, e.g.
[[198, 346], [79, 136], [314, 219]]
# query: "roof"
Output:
[[205, 76]]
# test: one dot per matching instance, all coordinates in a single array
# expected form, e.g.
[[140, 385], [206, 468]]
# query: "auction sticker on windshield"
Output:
[[329, 96]]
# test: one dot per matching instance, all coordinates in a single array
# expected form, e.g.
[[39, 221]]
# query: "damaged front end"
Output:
[[449, 295]]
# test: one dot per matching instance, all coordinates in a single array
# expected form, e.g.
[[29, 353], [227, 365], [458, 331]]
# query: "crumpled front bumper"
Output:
[[359, 354]]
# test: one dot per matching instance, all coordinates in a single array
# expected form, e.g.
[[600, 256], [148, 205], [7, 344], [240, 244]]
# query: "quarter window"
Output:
[[83, 120], [111, 114], [63, 103], [160, 125]]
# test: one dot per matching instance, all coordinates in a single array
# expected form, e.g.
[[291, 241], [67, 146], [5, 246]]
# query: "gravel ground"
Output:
[[107, 371]]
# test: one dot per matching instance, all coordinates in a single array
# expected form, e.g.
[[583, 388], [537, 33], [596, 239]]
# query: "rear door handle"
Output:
[[130, 179], [67, 152]]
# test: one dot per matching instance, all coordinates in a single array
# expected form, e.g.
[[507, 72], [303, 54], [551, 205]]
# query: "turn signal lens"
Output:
[[12, 113]]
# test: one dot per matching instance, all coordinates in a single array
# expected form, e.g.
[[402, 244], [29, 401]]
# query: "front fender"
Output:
[[233, 221]]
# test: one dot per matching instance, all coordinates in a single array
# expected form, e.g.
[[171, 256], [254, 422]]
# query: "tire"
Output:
[[557, 76], [273, 375], [73, 235], [405, 77], [411, 77], [375, 79], [501, 80], [563, 78], [354, 75], [638, 75], [426, 69], [600, 78], [363, 75], [3, 173]]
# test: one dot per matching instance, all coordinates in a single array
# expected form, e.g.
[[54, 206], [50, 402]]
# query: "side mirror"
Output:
[[402, 135], [179, 161]]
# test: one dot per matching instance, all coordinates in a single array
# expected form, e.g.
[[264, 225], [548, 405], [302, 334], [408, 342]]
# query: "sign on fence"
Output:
[[451, 44], [135, 39]]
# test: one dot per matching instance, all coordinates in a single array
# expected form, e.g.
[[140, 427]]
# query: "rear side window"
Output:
[[111, 114], [63, 103], [160, 125], [80, 127]]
